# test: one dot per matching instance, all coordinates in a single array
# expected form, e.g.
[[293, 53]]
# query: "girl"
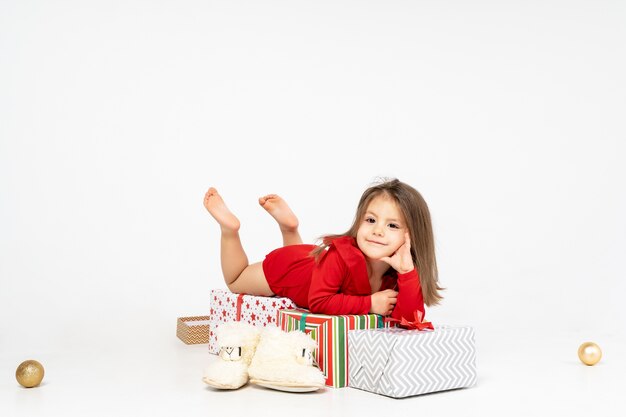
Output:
[[389, 247]]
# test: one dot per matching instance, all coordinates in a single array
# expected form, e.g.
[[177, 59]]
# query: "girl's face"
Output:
[[381, 231]]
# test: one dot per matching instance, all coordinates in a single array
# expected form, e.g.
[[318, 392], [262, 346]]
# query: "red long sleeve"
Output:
[[329, 284], [410, 296], [340, 285]]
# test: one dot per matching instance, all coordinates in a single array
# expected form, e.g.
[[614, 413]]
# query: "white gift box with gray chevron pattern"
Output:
[[400, 363]]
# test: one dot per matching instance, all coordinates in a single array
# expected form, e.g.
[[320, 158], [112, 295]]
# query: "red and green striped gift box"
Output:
[[331, 335]]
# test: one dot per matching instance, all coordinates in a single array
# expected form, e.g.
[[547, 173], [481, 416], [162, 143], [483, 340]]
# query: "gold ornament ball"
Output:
[[29, 374], [589, 353]]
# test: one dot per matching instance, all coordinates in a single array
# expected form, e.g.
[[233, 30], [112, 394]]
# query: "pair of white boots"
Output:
[[269, 357]]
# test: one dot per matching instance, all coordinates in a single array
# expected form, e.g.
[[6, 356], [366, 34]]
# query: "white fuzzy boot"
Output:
[[285, 361], [237, 342]]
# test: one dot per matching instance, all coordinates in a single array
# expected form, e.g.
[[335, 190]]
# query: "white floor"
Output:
[[519, 374]]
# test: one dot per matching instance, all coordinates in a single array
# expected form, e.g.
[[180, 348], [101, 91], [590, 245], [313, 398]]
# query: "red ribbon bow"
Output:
[[239, 303], [417, 324]]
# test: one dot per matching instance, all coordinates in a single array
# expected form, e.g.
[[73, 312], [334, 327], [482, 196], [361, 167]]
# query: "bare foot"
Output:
[[217, 208], [280, 211]]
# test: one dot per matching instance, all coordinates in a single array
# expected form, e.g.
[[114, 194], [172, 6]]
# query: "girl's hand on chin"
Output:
[[401, 260]]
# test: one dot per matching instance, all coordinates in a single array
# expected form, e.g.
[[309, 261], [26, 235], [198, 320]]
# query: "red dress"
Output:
[[338, 283]]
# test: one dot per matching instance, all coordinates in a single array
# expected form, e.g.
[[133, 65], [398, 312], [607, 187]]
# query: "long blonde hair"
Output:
[[417, 216]]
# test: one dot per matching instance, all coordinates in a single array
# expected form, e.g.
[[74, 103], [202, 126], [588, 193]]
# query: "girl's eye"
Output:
[[394, 226], [369, 220]]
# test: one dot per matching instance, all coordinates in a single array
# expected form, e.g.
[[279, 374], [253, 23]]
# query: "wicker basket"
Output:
[[193, 330]]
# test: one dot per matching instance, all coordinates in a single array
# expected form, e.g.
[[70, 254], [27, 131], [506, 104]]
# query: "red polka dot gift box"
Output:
[[258, 311]]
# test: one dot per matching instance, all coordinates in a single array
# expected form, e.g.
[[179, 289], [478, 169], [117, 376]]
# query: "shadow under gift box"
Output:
[[331, 335], [400, 363]]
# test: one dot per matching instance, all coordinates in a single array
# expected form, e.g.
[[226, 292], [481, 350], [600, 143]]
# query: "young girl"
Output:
[[384, 264]]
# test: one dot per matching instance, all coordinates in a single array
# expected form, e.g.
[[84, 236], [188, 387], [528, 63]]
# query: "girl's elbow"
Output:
[[318, 305], [314, 304]]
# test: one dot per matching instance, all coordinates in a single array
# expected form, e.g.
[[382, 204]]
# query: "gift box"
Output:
[[193, 330], [258, 311], [331, 335], [400, 363]]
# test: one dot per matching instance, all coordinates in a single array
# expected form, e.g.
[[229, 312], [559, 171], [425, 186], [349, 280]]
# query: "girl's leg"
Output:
[[252, 281], [287, 221], [238, 275]]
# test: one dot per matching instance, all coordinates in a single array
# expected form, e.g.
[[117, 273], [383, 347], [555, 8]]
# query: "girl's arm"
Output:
[[328, 275], [410, 296]]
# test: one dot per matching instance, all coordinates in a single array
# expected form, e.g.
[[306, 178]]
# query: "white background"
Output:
[[116, 116]]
